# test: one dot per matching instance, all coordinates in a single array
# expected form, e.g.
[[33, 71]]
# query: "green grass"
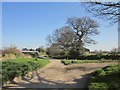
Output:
[[67, 62], [106, 78], [20, 67]]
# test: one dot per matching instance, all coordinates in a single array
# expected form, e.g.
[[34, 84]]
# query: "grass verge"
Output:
[[67, 62], [106, 78], [20, 67]]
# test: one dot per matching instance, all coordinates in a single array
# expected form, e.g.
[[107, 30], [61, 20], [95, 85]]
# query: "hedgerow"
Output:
[[89, 57]]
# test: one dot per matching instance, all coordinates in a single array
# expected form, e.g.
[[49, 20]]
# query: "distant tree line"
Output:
[[39, 49], [113, 54]]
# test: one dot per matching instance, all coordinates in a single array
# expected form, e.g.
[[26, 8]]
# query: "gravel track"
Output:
[[58, 75]]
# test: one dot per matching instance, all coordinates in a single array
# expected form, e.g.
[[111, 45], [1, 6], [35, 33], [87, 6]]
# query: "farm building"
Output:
[[34, 54]]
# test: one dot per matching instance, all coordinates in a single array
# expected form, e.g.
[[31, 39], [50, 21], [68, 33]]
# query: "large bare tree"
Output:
[[84, 28], [74, 35]]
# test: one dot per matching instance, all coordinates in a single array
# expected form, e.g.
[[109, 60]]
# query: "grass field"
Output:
[[20, 67]]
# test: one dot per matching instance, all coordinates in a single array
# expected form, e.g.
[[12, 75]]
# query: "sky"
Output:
[[0, 25], [57, 0], [27, 24]]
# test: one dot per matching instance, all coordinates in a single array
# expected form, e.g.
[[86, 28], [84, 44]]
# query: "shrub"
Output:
[[20, 67], [103, 73], [10, 70], [106, 77], [12, 50], [102, 86], [9, 56]]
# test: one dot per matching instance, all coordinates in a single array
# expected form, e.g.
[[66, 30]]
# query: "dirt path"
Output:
[[57, 75]]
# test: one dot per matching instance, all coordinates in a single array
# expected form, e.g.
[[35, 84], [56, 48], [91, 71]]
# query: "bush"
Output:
[[9, 56], [13, 51], [20, 67], [107, 77], [102, 86]]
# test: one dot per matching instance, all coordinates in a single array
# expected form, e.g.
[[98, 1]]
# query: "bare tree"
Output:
[[84, 28], [74, 35], [106, 10], [63, 39]]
